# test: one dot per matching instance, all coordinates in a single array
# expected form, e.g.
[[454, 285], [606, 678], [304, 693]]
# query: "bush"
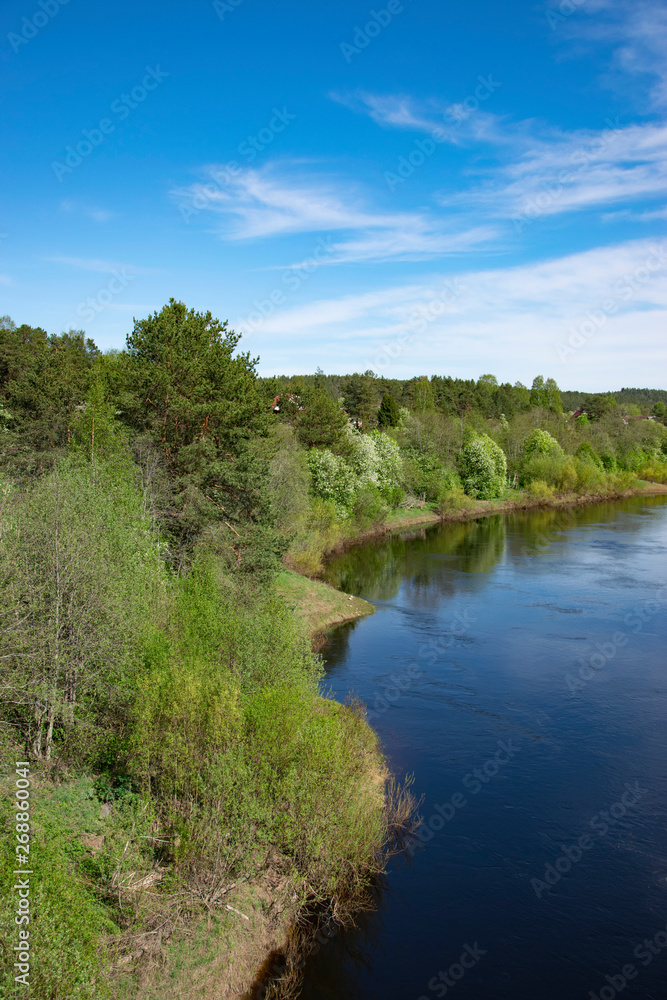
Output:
[[452, 500], [652, 472], [332, 479], [541, 443], [587, 453], [608, 460], [539, 490], [483, 468], [370, 508], [389, 464], [590, 478]]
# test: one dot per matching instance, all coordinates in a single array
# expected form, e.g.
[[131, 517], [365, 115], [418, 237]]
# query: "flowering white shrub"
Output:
[[483, 468], [375, 464], [332, 479], [365, 460], [390, 462]]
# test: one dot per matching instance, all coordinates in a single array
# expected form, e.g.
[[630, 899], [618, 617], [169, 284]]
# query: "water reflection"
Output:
[[541, 593], [376, 570]]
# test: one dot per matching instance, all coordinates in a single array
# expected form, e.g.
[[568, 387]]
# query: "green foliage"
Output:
[[596, 407], [67, 922], [541, 442], [539, 490], [453, 499], [360, 399], [233, 739], [388, 414], [202, 404], [321, 422], [370, 507], [78, 572], [96, 435], [43, 381], [660, 411], [483, 468], [587, 453], [421, 394], [546, 395], [332, 479]]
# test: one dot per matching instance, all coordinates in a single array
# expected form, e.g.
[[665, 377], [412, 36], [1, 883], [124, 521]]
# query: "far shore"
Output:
[[321, 607], [484, 508]]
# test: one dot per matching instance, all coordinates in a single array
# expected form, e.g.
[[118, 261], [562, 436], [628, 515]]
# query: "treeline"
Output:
[[644, 399], [352, 449], [362, 392]]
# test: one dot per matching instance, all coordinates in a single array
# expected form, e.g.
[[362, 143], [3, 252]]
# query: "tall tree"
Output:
[[422, 395], [537, 396], [321, 422], [388, 415], [202, 404], [44, 381], [360, 398]]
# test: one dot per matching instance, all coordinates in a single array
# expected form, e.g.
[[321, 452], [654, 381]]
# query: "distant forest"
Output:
[[457, 396]]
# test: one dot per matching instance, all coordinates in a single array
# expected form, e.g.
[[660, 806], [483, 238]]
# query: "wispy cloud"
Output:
[[6, 280], [273, 202], [455, 123], [580, 170], [505, 315], [95, 264], [90, 211], [637, 32]]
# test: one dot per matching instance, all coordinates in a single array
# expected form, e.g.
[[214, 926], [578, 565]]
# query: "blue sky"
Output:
[[412, 187]]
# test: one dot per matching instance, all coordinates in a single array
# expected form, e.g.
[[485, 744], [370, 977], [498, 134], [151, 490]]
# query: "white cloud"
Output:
[[458, 123], [508, 316], [577, 171], [637, 32], [91, 211], [266, 203], [6, 279]]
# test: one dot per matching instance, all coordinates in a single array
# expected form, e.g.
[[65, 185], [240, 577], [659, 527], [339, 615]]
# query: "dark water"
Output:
[[531, 648]]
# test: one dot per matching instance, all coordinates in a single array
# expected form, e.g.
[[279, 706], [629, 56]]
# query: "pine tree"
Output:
[[202, 404], [388, 415]]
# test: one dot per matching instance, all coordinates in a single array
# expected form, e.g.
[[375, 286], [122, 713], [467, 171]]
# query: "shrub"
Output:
[[453, 499], [332, 479], [652, 472], [587, 453], [541, 443], [590, 478], [608, 460], [370, 507], [483, 468], [390, 463], [539, 490], [567, 476]]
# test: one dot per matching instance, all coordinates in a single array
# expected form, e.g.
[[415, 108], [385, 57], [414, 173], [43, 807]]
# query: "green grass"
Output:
[[317, 605]]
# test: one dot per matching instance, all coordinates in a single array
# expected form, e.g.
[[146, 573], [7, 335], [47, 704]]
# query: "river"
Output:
[[516, 667]]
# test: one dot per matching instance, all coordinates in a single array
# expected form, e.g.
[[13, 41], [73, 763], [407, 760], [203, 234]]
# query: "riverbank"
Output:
[[238, 957], [400, 521], [318, 605]]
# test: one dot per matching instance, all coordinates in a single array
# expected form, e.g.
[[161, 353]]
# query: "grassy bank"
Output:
[[517, 500], [319, 606], [195, 795]]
